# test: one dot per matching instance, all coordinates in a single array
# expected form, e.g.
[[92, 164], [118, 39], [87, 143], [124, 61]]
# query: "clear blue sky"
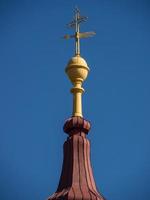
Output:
[[35, 99]]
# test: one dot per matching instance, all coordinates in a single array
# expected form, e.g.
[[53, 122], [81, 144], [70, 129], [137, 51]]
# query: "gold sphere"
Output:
[[77, 69]]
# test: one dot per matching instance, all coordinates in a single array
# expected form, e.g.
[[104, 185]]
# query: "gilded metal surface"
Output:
[[77, 68]]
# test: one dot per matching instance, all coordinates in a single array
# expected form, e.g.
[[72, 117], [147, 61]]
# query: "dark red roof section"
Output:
[[76, 181]]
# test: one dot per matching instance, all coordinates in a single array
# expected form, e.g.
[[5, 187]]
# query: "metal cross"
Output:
[[76, 24]]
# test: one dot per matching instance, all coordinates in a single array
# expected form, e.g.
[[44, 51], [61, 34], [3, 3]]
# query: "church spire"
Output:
[[77, 68], [77, 180]]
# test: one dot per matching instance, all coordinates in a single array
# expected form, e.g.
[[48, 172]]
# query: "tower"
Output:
[[77, 180]]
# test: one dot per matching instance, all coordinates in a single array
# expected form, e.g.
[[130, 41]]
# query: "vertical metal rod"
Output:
[[77, 39]]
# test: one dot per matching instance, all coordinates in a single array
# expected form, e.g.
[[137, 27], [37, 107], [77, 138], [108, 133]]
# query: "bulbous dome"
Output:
[[77, 69]]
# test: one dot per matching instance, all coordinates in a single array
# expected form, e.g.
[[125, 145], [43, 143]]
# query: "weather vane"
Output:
[[76, 24]]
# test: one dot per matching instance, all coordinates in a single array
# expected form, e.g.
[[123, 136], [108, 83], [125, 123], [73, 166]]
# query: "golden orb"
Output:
[[77, 69]]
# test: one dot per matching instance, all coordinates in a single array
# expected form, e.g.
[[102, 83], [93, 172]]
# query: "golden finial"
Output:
[[76, 24], [77, 68]]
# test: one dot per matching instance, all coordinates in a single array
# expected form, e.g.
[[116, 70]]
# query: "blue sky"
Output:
[[35, 99]]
